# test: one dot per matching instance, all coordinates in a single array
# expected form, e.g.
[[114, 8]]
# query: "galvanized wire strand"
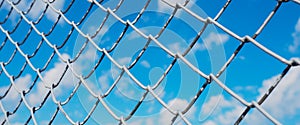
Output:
[[265, 96], [296, 1], [7, 16], [1, 3], [148, 90], [193, 67]]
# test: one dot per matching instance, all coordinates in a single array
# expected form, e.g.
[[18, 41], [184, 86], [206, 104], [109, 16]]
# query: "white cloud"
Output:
[[145, 64], [137, 122], [38, 8], [134, 34], [217, 38], [198, 47], [131, 90], [124, 60], [297, 27], [36, 95], [149, 122], [52, 76], [43, 122], [17, 123], [21, 83], [242, 57], [286, 93], [143, 121], [86, 60], [165, 117], [206, 108], [176, 47], [127, 87], [90, 54], [162, 6], [176, 104], [92, 30], [209, 122], [150, 109], [103, 30], [211, 40], [104, 80], [58, 4], [210, 109], [293, 48], [107, 77], [247, 89]]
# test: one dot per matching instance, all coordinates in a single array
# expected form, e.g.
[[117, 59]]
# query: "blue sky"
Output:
[[250, 74]]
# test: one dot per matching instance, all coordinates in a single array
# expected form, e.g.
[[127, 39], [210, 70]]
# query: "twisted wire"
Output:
[[82, 78]]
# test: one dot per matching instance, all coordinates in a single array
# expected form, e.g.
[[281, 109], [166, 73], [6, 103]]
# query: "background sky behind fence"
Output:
[[249, 75]]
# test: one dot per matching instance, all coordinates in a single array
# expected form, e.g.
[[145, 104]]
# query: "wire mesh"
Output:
[[31, 26]]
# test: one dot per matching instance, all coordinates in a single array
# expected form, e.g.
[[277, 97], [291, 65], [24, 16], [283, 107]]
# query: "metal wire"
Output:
[[82, 79]]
